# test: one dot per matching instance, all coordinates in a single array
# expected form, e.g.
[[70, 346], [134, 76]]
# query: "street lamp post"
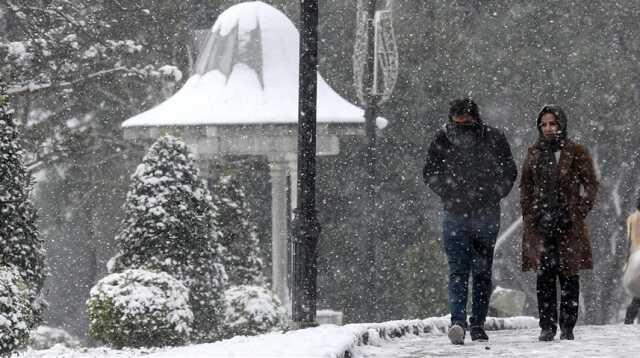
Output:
[[376, 72], [307, 227], [364, 76]]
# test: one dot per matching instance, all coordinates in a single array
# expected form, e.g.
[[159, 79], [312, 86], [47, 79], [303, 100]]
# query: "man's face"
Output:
[[549, 125], [464, 119]]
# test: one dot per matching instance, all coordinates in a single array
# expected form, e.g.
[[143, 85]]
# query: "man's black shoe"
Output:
[[568, 335], [478, 334], [547, 335]]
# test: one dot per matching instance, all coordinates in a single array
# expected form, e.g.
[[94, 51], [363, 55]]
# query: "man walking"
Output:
[[470, 167]]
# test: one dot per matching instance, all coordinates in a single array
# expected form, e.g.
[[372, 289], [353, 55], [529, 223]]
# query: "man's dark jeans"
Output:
[[469, 240]]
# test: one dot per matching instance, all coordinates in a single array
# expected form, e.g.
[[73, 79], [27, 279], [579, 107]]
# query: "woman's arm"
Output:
[[589, 181]]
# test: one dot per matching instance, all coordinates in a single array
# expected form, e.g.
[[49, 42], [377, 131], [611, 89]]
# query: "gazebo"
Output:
[[243, 100]]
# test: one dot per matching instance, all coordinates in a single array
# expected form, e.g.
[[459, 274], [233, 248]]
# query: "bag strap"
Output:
[[629, 227]]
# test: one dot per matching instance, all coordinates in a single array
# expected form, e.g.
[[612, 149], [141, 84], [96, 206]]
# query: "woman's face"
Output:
[[549, 125]]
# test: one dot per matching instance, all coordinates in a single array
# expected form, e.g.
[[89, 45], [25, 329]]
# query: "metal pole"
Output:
[[370, 114], [306, 236]]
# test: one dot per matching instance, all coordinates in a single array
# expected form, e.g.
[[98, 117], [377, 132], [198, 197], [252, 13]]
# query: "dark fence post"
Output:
[[307, 227]]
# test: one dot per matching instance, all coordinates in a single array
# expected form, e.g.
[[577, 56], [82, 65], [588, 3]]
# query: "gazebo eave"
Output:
[[272, 140]]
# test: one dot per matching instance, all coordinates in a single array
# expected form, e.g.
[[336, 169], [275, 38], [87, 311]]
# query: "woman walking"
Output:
[[558, 189], [633, 233]]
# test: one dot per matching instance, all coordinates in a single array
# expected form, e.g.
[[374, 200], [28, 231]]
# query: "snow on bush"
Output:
[[138, 308], [16, 315], [252, 310], [45, 337]]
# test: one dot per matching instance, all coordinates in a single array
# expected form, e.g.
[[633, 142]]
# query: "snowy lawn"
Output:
[[326, 341], [619, 341]]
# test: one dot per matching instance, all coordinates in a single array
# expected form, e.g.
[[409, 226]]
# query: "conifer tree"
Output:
[[20, 244], [170, 226], [239, 235]]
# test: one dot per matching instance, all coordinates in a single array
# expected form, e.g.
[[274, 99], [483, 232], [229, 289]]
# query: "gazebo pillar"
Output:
[[279, 217], [293, 182]]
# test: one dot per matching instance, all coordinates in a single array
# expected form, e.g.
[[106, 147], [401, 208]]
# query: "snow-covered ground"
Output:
[[326, 341], [509, 337], [619, 341]]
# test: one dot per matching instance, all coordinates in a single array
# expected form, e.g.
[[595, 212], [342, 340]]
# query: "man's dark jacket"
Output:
[[474, 178]]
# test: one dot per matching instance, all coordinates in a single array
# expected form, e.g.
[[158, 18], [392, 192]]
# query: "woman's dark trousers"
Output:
[[547, 274]]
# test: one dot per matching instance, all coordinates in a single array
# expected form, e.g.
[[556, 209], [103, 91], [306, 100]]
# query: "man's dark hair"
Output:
[[460, 107], [638, 202]]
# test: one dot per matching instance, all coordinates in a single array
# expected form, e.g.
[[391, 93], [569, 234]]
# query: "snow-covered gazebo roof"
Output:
[[247, 73]]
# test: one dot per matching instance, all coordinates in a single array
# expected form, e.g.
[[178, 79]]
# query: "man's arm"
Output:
[[433, 172], [507, 170]]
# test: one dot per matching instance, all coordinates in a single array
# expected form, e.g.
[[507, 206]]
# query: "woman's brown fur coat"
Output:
[[579, 185]]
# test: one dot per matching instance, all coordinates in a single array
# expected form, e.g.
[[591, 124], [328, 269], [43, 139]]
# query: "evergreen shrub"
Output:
[[139, 308], [170, 226], [252, 310]]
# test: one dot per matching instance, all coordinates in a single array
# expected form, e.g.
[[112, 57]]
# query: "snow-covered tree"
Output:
[[138, 308], [20, 244], [239, 238], [170, 226], [61, 50]]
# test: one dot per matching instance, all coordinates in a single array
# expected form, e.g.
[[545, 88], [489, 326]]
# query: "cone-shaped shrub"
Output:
[[170, 226]]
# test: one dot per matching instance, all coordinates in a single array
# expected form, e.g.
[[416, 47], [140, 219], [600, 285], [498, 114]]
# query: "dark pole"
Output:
[[370, 114], [305, 268]]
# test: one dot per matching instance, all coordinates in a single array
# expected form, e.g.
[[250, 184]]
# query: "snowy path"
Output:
[[618, 341]]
